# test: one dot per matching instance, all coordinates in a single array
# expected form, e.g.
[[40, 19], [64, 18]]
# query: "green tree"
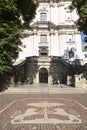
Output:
[[15, 15], [81, 7]]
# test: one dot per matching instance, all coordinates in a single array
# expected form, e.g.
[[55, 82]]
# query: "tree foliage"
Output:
[[15, 15], [81, 7]]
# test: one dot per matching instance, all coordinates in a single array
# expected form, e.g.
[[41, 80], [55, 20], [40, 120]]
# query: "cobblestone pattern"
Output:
[[45, 127], [5, 116], [6, 99]]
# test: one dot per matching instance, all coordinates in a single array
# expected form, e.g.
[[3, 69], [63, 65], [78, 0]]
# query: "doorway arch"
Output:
[[43, 75]]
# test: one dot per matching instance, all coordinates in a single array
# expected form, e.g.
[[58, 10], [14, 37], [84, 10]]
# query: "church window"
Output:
[[43, 54], [24, 46], [71, 54], [43, 51], [43, 16], [43, 38]]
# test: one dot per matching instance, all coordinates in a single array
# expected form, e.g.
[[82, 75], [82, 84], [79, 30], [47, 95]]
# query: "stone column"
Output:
[[69, 80], [76, 81], [12, 83]]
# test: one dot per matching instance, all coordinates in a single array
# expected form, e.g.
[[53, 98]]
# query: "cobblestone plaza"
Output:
[[43, 111]]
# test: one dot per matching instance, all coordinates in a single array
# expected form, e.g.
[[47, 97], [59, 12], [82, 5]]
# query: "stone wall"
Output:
[[81, 80], [59, 72]]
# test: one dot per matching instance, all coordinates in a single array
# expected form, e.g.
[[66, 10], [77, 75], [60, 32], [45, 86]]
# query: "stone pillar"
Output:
[[69, 80], [76, 81], [12, 83]]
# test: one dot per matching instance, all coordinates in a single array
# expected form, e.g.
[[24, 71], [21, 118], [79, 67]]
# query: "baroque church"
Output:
[[52, 52]]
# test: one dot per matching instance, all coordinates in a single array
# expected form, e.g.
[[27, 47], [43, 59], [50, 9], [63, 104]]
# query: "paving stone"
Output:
[[45, 107]]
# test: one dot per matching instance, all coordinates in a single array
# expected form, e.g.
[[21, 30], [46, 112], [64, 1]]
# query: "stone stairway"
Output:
[[45, 88]]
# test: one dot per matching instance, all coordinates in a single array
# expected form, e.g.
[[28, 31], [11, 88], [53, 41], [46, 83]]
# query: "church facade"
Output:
[[52, 45], [53, 32]]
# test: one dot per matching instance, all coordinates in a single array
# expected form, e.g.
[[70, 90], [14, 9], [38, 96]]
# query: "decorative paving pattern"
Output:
[[44, 114]]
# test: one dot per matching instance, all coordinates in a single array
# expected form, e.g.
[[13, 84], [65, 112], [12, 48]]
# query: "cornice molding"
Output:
[[45, 24], [51, 25], [67, 26], [52, 28]]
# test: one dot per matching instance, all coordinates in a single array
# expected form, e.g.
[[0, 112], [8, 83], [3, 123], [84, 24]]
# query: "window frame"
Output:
[[43, 16], [43, 38]]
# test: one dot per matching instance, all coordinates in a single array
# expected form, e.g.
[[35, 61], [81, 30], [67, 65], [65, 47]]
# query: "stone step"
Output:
[[46, 90]]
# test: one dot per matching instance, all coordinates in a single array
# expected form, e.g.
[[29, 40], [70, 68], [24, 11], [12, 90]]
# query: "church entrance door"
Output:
[[43, 75]]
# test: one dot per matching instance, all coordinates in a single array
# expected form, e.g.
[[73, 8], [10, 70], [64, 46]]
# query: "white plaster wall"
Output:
[[61, 15], [35, 41], [56, 13], [54, 44], [78, 46], [28, 50], [62, 44]]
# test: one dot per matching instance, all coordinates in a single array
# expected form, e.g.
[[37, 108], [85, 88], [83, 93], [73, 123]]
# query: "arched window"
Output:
[[43, 16]]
